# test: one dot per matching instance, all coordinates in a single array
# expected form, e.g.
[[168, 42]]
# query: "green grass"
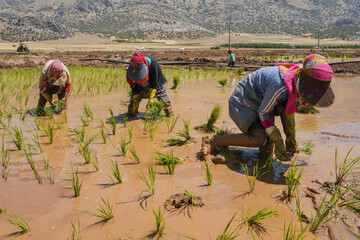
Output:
[[84, 148], [5, 159], [76, 184], [226, 233], [49, 131], [184, 133], [31, 162], [215, 115], [87, 112], [208, 174], [223, 82], [18, 137], [123, 148], [168, 161], [308, 147], [255, 175], [103, 135], [133, 152], [84, 121], [254, 223], [112, 121], [292, 178], [105, 210], [289, 232], [115, 176], [176, 81], [151, 182], [346, 168], [79, 134], [20, 223]]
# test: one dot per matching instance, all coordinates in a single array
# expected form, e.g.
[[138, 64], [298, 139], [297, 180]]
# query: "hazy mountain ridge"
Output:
[[39, 20]]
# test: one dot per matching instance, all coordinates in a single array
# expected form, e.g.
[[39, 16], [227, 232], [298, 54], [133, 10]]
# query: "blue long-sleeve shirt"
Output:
[[232, 57]]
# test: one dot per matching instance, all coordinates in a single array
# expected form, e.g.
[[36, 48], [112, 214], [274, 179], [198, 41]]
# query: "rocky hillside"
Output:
[[25, 20]]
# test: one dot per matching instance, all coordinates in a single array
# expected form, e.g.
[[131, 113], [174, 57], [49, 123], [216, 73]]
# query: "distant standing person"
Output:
[[54, 79], [146, 81], [232, 59]]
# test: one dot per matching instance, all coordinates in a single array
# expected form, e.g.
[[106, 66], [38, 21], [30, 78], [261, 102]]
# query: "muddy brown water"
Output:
[[50, 209]]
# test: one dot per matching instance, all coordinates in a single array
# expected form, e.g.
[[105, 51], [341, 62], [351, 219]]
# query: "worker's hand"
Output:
[[152, 93], [280, 150], [134, 105]]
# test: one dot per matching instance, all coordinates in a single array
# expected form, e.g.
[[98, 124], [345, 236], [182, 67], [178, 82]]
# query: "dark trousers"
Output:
[[231, 64], [52, 90]]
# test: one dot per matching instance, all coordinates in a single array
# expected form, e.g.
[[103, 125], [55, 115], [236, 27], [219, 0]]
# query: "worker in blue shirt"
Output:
[[232, 59]]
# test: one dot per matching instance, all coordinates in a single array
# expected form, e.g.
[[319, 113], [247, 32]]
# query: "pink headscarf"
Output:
[[57, 67]]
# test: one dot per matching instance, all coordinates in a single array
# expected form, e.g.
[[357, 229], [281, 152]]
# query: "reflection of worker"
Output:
[[232, 59], [279, 90], [54, 79], [146, 81]]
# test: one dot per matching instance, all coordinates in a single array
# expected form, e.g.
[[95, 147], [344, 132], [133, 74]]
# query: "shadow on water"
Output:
[[237, 158]]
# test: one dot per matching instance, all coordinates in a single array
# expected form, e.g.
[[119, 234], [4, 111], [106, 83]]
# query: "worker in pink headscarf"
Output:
[[54, 79], [280, 90]]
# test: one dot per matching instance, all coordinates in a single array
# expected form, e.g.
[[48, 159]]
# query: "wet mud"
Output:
[[50, 208]]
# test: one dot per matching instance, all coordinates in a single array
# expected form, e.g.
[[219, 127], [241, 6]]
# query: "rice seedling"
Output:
[[31, 162], [227, 234], [18, 137], [22, 114], [50, 176], [159, 223], [133, 152], [292, 179], [95, 161], [104, 211], [125, 121], [46, 162], [344, 169], [49, 131], [254, 222], [84, 121], [171, 122], [75, 233], [184, 133], [255, 175], [112, 121], [307, 148], [215, 115], [151, 127], [151, 182], [36, 143], [76, 184], [155, 111], [116, 175], [79, 134], [123, 145], [20, 223], [309, 110], [208, 176], [103, 135], [49, 112], [57, 125], [222, 132], [111, 112], [88, 113], [168, 161], [2, 210], [84, 148], [5, 154], [270, 163], [37, 123], [223, 82], [289, 232], [176, 81], [298, 208], [130, 134], [325, 208]]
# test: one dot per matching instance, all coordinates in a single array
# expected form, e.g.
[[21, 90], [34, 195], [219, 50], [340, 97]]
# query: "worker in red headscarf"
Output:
[[146, 81], [54, 79]]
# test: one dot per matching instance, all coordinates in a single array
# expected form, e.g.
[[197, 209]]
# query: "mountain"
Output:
[[30, 20]]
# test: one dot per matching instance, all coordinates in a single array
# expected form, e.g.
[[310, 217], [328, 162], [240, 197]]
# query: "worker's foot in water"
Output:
[[207, 148]]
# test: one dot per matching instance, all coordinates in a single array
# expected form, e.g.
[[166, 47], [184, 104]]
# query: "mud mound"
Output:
[[182, 201]]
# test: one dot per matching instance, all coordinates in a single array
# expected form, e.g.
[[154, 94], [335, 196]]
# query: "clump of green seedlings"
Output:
[[150, 127], [176, 81], [79, 134], [49, 112], [309, 110], [18, 137], [75, 233], [292, 179], [20, 223], [184, 133], [344, 169], [103, 135], [5, 159], [168, 161], [253, 222], [222, 132], [116, 175], [104, 211], [133, 152], [155, 111], [84, 148], [84, 121], [46, 162], [31, 162], [223, 82], [50, 176], [159, 223], [308, 147], [239, 71], [76, 184], [208, 174], [88, 113], [49, 131], [95, 161], [171, 122], [151, 182], [255, 175], [112, 122], [215, 115], [124, 142]]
